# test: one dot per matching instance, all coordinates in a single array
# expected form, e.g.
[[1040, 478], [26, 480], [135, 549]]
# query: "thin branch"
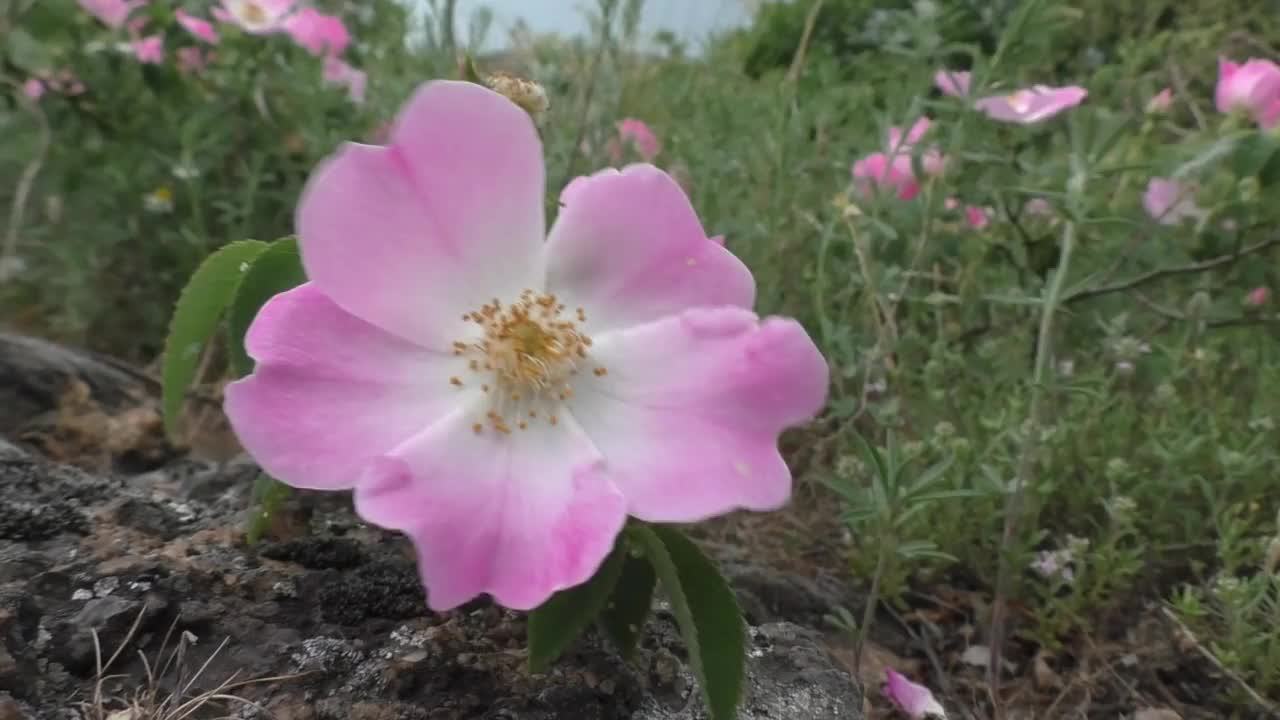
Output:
[[797, 60], [29, 174], [1262, 702], [1154, 275]]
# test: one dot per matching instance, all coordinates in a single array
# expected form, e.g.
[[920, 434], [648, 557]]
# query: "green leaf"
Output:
[[556, 623], [707, 613], [628, 608], [26, 52], [267, 496], [1252, 153], [277, 269], [206, 296]]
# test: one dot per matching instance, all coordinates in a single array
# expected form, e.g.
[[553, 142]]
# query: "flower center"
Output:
[[253, 13], [1021, 100], [525, 358]]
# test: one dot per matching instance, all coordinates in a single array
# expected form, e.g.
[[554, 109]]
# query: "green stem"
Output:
[[1014, 505]]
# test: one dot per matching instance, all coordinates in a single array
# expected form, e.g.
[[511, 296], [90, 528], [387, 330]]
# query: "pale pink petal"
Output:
[[916, 701], [519, 516], [955, 84], [198, 27], [638, 134], [878, 172], [338, 72], [1169, 202], [1033, 105], [1258, 296], [1161, 101], [447, 217], [977, 217], [317, 32], [1225, 95], [914, 135], [687, 410], [112, 13], [330, 392], [1252, 87], [33, 88], [628, 247], [149, 50]]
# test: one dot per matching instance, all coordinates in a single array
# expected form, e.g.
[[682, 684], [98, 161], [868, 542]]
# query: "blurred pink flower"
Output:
[[931, 161], [112, 13], [955, 84], [1258, 296], [878, 172], [199, 27], [638, 135], [619, 372], [915, 701], [317, 32], [1253, 88], [33, 88], [337, 72], [978, 218], [257, 17], [1033, 105], [191, 59], [1161, 101], [1038, 207], [1168, 201], [149, 50], [951, 203]]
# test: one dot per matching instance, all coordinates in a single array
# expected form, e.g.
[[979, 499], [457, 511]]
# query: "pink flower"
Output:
[[951, 203], [915, 701], [637, 134], [337, 72], [112, 13], [191, 59], [1038, 207], [317, 32], [878, 171], [955, 84], [1034, 105], [978, 218], [914, 135], [1253, 87], [1161, 101], [149, 50], [33, 88], [258, 17], [1168, 202], [504, 397], [199, 27], [1258, 297]]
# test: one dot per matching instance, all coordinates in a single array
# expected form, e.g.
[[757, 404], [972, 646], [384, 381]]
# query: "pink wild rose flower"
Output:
[[978, 218], [915, 701], [149, 50], [1161, 101], [1252, 88], [112, 13], [953, 83], [319, 33], [198, 27], [1169, 202], [878, 171], [1032, 105], [1258, 296], [637, 134], [257, 17], [33, 88], [337, 72], [507, 396]]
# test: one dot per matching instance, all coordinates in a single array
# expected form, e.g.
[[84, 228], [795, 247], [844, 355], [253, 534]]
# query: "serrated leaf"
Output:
[[203, 301], [707, 612], [624, 616], [556, 623], [276, 269]]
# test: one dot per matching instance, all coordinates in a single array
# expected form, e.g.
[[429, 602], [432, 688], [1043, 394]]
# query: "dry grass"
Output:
[[152, 701]]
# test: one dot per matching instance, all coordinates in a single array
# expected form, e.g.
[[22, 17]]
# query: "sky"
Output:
[[690, 20]]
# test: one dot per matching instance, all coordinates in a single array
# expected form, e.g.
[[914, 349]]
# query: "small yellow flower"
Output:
[[159, 200]]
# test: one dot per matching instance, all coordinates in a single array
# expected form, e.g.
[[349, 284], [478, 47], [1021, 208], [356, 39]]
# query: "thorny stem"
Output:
[[1014, 505]]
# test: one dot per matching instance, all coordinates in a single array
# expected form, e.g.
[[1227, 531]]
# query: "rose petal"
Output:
[[330, 391], [689, 409], [519, 516], [915, 700], [628, 247], [452, 208]]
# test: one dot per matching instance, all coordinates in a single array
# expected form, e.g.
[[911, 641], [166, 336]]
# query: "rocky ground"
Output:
[[120, 587]]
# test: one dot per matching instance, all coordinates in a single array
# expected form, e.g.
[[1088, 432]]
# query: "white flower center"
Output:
[[525, 359]]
